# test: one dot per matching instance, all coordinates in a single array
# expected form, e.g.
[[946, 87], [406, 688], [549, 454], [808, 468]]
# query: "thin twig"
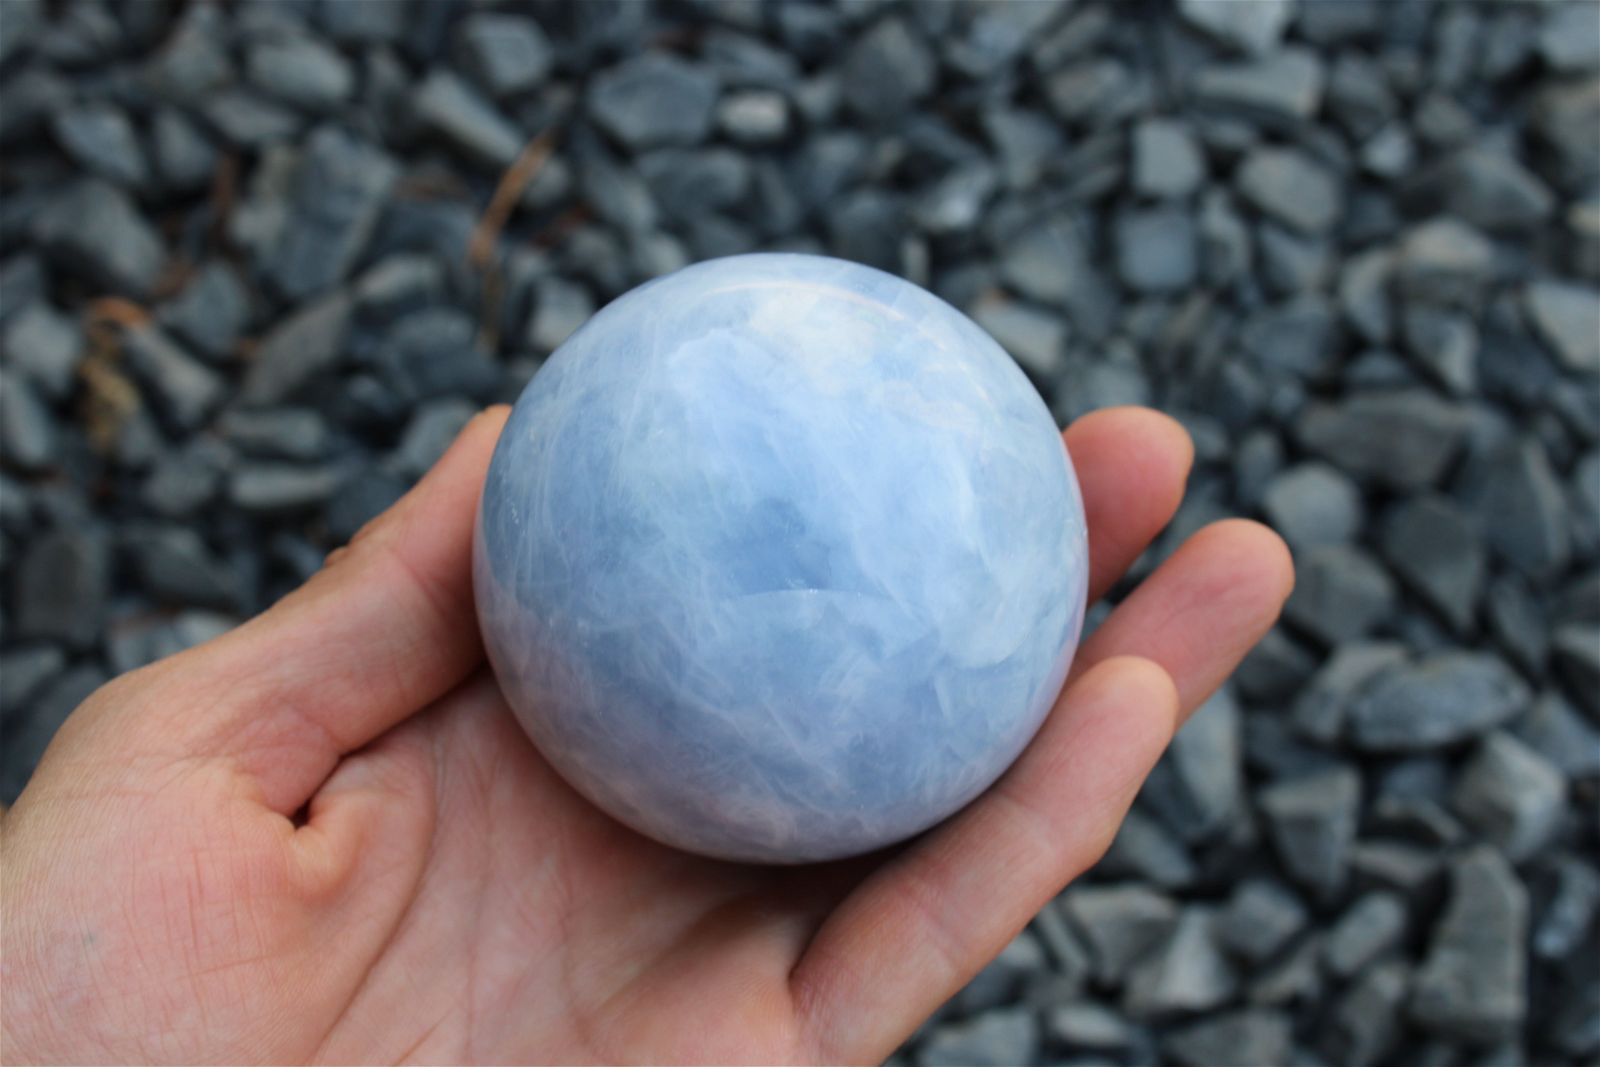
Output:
[[516, 178]]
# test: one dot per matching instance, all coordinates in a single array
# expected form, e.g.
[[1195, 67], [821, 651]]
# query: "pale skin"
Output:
[[322, 836]]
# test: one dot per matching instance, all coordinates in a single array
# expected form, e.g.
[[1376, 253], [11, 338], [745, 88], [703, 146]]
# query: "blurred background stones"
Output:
[[260, 260]]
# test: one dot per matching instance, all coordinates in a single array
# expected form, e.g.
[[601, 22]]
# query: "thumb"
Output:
[[383, 630]]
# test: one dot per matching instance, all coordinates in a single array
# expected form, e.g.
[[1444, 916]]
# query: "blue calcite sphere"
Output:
[[780, 558]]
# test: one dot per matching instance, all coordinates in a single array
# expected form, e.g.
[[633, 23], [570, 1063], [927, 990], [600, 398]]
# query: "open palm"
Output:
[[323, 836]]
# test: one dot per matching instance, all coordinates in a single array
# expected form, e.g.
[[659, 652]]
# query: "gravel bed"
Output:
[[251, 283]]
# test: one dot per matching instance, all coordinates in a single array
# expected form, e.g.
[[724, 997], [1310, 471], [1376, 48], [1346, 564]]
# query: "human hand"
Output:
[[323, 836]]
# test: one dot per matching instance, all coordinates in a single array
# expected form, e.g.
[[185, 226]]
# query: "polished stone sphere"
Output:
[[780, 558]]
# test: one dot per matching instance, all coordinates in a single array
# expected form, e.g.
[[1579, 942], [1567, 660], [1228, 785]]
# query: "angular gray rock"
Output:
[[1371, 926], [1408, 868], [28, 433], [193, 60], [1437, 550], [954, 203], [1576, 649], [1290, 186], [1254, 26], [339, 191], [1261, 917], [1002, 978], [1441, 700], [1472, 984], [183, 157], [1564, 114], [1025, 142], [1035, 338], [26, 669], [1243, 1035], [1094, 91], [1294, 979], [754, 116], [1145, 849], [297, 349], [1089, 1025], [1359, 95], [435, 352], [93, 228], [1313, 504], [22, 285], [505, 54], [1225, 248], [1276, 668], [249, 121], [1366, 1022], [994, 1039], [1566, 316], [1297, 337], [1065, 950], [211, 313], [1555, 730], [1157, 249], [1120, 924], [102, 140], [362, 496], [176, 567], [62, 584], [1188, 972], [1291, 262], [1444, 261], [275, 433], [1312, 823], [186, 479], [446, 106], [1198, 787], [430, 431], [1403, 439], [1560, 928], [1485, 186], [1286, 84], [690, 183], [1522, 508], [364, 23], [888, 69], [1510, 796], [1389, 153], [1167, 160], [1322, 708], [744, 59], [1569, 39], [1444, 346], [560, 307], [263, 488], [654, 99], [1051, 263], [301, 71], [183, 389], [44, 346], [398, 283], [1341, 593]]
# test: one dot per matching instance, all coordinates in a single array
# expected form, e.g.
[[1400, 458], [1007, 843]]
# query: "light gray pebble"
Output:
[[1440, 700], [1371, 926], [1260, 918], [505, 53], [1472, 983], [1312, 822]]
